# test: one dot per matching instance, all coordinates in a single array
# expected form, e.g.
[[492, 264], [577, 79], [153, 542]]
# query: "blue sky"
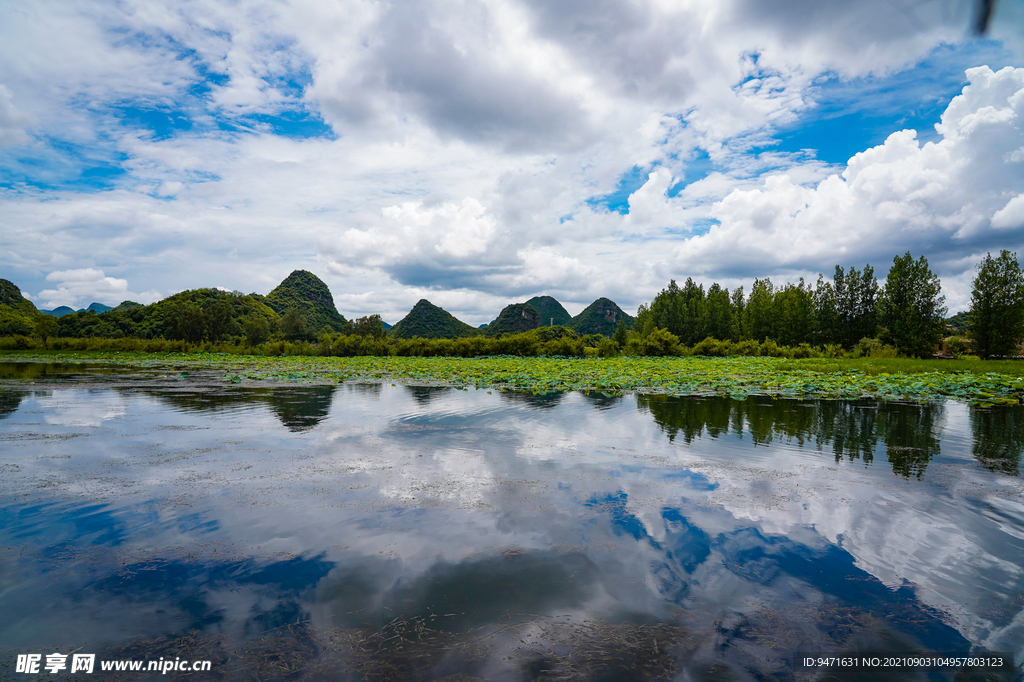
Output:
[[484, 153]]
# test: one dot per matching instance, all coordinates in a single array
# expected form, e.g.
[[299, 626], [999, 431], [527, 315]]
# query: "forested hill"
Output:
[[60, 311], [428, 321], [961, 322], [194, 316], [551, 311], [600, 317], [298, 309], [514, 319], [17, 314], [306, 293]]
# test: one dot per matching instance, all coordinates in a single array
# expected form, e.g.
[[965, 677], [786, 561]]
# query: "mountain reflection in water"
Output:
[[421, 533]]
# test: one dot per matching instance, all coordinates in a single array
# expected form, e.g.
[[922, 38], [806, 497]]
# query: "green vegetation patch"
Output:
[[514, 319], [17, 314], [980, 382], [551, 311], [427, 321], [305, 292], [600, 317]]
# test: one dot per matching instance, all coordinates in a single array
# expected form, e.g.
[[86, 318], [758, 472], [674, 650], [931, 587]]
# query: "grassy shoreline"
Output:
[[979, 382]]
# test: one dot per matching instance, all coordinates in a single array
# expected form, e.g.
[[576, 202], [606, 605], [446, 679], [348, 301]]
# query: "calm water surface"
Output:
[[378, 532]]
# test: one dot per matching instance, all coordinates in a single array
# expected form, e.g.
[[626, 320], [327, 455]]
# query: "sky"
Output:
[[480, 152]]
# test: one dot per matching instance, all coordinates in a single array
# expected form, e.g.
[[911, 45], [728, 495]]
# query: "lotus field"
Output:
[[979, 382]]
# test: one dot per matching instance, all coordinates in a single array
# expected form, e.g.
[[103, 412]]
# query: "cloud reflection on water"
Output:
[[348, 507]]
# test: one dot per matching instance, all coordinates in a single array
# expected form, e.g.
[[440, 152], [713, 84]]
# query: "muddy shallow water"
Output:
[[378, 532]]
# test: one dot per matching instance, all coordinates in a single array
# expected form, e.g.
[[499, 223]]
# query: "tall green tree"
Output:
[[621, 333], [370, 326], [910, 307], [739, 304], [794, 314], [46, 327], [666, 311], [826, 314], [185, 320], [677, 309], [716, 313], [760, 311], [257, 330], [643, 323], [856, 295], [293, 325], [997, 305], [219, 317]]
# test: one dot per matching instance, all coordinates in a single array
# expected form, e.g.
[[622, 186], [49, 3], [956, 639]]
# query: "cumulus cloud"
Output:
[[469, 145], [939, 198], [75, 286]]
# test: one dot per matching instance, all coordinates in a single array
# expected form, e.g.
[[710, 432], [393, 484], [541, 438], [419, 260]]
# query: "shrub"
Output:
[[565, 346], [771, 349], [804, 350], [748, 347], [660, 342], [607, 349], [873, 348], [833, 350], [955, 345], [712, 347]]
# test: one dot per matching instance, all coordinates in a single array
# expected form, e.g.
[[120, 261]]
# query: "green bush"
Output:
[[748, 347], [833, 350], [713, 348], [955, 345], [770, 349], [660, 343], [607, 349], [874, 348], [804, 350]]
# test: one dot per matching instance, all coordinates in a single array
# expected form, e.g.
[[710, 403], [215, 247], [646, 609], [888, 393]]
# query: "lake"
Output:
[[382, 532]]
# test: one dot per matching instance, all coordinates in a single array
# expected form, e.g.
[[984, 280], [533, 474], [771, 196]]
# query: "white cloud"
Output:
[[937, 198], [469, 139], [1010, 216], [75, 286], [12, 121]]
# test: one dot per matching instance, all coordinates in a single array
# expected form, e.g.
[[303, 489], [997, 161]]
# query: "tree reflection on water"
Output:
[[907, 433]]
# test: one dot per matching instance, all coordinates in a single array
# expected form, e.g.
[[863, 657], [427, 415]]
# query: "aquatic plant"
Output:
[[981, 382]]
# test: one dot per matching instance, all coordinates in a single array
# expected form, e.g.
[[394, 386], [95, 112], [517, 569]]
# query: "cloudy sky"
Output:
[[480, 152]]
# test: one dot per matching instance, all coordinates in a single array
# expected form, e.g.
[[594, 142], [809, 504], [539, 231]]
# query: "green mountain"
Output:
[[60, 311], [305, 292], [549, 309], [961, 322], [195, 315], [17, 314], [514, 319], [428, 321], [600, 317], [63, 310]]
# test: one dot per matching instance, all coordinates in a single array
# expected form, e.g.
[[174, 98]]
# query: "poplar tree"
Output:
[[997, 305], [911, 308]]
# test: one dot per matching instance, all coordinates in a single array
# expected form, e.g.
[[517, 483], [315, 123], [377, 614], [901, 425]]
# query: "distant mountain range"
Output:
[[212, 314], [300, 307], [65, 310], [428, 321]]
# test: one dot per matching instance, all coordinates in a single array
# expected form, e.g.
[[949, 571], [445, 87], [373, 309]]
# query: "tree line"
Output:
[[907, 313], [851, 313]]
